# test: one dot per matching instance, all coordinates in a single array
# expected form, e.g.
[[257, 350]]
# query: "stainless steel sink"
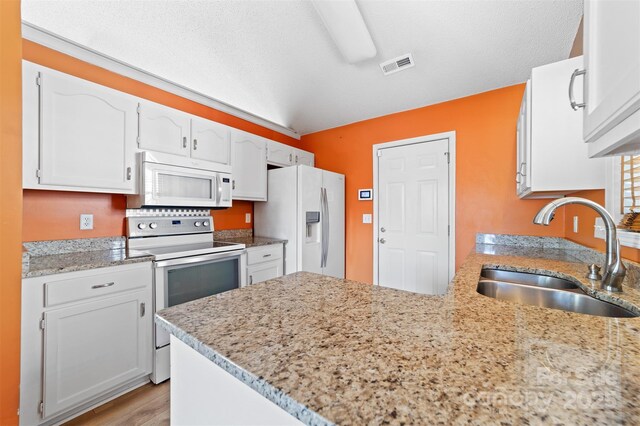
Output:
[[529, 279], [504, 285]]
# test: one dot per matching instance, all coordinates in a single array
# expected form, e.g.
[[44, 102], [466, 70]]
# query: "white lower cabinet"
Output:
[[265, 263], [88, 338]]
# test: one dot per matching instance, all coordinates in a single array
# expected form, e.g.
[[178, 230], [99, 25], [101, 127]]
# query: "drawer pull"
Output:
[[143, 309], [267, 255], [103, 285]]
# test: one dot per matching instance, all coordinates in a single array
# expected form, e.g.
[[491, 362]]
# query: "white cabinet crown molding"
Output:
[[61, 44]]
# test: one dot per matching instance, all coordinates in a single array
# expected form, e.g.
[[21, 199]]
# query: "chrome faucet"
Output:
[[614, 269]]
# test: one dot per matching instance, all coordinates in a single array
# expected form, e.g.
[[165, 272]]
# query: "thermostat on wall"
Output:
[[365, 194]]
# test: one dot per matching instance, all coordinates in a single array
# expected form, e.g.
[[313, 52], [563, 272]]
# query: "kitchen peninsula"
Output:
[[322, 350]]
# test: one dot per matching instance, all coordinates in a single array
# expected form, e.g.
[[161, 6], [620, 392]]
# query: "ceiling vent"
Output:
[[397, 64]]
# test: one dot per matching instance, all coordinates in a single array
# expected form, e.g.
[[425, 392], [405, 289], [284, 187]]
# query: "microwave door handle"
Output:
[[218, 189], [328, 226]]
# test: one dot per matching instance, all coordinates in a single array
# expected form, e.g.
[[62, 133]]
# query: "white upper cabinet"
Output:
[[304, 158], [553, 160], [163, 129], [210, 141], [612, 79], [249, 166], [279, 154], [77, 135]]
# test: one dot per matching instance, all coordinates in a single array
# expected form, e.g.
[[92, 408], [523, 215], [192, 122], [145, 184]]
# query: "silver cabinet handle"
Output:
[[233, 184], [184, 142], [290, 158], [128, 173], [103, 285], [296, 159], [267, 255], [250, 279], [572, 99], [143, 309], [195, 144], [382, 241]]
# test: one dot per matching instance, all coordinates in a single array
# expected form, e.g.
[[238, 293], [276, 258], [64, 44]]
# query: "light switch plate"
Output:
[[247, 218], [366, 218], [86, 221]]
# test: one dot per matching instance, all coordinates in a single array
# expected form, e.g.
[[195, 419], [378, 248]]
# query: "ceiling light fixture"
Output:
[[347, 28]]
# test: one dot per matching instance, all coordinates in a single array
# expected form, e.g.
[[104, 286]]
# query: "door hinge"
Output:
[[138, 109], [41, 407], [38, 173], [379, 153], [42, 324], [448, 156], [38, 80]]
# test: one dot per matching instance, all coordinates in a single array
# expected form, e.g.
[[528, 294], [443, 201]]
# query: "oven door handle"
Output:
[[198, 259]]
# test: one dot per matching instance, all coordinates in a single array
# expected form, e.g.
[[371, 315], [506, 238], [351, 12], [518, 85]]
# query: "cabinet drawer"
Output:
[[264, 271], [264, 254], [73, 289]]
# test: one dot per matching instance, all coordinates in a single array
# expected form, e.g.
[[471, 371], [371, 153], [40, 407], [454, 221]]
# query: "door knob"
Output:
[[383, 230], [382, 241]]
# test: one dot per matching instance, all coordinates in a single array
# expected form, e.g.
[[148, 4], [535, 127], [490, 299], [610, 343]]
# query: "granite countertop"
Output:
[[59, 256], [337, 351], [252, 241]]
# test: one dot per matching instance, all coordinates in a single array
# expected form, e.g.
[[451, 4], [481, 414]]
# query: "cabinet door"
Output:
[[249, 166], [523, 166], [92, 347], [279, 153], [304, 158], [87, 135], [163, 129], [612, 62], [210, 141], [264, 271]]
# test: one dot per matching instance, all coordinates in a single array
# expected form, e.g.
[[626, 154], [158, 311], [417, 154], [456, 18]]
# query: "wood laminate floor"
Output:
[[148, 405]]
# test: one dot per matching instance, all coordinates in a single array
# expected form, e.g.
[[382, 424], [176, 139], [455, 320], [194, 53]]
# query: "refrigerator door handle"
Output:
[[322, 224], [327, 227]]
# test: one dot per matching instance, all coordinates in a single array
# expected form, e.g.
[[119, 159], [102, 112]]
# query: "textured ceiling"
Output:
[[275, 59]]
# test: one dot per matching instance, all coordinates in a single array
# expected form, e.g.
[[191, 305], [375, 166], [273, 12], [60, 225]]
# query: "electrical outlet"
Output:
[[575, 224], [247, 218], [366, 218], [86, 221]]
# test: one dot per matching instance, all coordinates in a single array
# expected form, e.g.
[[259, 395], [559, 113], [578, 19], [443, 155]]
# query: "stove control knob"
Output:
[[142, 225], [153, 225], [205, 223], [197, 224]]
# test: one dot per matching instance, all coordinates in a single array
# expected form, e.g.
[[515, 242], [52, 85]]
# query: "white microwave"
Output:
[[167, 180]]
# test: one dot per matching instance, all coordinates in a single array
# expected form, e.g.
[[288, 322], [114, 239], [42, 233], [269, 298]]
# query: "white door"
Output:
[[279, 153], [310, 195], [303, 158], [249, 166], [210, 141], [93, 347], [413, 217], [612, 63], [87, 137], [333, 183], [163, 129]]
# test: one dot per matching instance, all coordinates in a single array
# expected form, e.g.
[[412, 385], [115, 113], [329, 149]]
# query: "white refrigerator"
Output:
[[306, 207]]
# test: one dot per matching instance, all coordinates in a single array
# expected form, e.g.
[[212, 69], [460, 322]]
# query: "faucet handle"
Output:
[[594, 272]]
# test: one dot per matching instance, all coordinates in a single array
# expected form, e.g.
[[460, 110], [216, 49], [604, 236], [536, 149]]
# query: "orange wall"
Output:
[[10, 208], [486, 200], [62, 220], [586, 220]]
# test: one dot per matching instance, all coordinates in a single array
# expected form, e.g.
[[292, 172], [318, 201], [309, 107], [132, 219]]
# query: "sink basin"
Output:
[[504, 285], [528, 279]]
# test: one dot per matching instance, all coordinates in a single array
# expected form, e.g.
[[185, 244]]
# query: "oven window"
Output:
[[176, 186], [191, 282]]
